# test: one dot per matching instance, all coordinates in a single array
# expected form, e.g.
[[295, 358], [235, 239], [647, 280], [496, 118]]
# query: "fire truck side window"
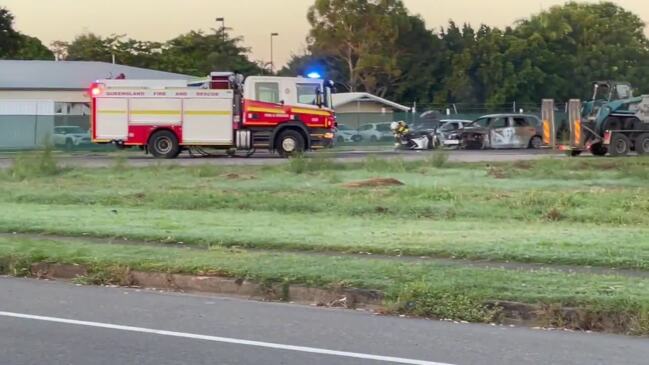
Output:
[[267, 92], [306, 93]]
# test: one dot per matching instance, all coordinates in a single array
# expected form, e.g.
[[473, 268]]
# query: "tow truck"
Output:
[[287, 115]]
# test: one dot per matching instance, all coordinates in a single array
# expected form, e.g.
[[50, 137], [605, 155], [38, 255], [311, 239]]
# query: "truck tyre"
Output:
[[290, 143], [620, 145], [535, 143], [164, 144], [642, 144], [598, 149]]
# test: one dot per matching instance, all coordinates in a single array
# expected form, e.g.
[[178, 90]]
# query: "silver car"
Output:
[[448, 134], [503, 131]]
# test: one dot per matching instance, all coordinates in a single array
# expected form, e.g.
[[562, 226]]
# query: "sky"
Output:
[[160, 20]]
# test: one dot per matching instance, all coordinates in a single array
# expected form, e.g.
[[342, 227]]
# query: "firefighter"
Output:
[[399, 129]]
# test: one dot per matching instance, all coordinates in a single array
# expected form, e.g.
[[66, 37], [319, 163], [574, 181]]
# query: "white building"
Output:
[[64, 84], [358, 108]]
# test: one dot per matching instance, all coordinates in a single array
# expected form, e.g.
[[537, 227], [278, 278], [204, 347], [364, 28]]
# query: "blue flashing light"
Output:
[[313, 75]]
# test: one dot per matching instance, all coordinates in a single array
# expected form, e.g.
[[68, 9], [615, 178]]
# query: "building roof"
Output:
[[70, 75], [346, 98]]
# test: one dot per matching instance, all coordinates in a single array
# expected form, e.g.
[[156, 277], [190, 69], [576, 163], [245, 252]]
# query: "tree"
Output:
[[89, 47], [422, 62], [15, 45], [31, 48], [9, 38], [198, 53], [362, 35], [571, 45]]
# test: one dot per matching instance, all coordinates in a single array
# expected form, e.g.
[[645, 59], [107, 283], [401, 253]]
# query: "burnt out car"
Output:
[[503, 131]]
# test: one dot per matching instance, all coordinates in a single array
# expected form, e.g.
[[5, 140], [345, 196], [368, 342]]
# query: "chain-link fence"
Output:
[[72, 132]]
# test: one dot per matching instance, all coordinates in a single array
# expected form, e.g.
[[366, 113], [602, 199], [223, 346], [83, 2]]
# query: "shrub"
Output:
[[30, 165]]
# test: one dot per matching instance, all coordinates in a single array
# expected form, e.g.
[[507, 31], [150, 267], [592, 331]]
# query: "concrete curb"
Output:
[[334, 297], [510, 313]]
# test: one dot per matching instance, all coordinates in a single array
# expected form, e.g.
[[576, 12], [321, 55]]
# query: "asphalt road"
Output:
[[140, 159], [59, 323]]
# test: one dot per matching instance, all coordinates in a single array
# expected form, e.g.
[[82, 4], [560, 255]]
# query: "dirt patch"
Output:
[[372, 183], [523, 164], [43, 270], [234, 176], [497, 172]]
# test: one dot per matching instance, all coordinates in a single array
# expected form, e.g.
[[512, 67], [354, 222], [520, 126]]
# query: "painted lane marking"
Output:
[[270, 345]]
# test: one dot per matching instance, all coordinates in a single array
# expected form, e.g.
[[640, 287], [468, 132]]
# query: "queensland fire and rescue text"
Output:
[[164, 117]]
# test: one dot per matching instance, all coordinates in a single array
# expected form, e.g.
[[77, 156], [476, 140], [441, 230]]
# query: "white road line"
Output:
[[313, 350]]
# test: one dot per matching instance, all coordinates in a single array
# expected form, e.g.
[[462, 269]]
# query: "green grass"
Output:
[[601, 245], [578, 211], [569, 211], [416, 287]]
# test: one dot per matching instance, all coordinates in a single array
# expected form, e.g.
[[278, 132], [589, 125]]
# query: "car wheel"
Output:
[[340, 140], [290, 143], [598, 149], [642, 144], [164, 144], [373, 139], [69, 144], [535, 143]]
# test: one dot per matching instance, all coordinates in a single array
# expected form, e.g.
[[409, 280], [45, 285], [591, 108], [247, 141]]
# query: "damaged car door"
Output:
[[501, 133]]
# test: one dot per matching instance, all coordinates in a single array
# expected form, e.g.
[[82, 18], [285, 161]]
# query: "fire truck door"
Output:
[[111, 119]]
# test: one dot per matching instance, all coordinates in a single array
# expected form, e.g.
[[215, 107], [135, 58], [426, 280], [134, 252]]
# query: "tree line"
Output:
[[378, 46]]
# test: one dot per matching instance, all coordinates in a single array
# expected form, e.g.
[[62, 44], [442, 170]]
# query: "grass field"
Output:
[[556, 211]]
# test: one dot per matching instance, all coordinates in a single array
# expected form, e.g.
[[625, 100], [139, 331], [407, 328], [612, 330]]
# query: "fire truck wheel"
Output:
[[290, 142], [164, 144]]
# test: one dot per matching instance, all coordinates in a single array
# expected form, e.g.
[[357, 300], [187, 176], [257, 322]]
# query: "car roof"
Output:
[[456, 120], [509, 115]]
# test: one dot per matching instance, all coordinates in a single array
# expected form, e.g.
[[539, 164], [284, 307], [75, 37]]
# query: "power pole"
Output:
[[222, 20], [272, 64]]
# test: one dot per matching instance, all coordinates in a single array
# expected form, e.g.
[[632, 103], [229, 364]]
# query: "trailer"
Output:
[[286, 115]]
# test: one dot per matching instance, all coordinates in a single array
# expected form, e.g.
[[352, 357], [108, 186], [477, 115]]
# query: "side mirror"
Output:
[[318, 98]]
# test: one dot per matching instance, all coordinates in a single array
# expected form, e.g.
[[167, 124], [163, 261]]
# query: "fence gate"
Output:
[[574, 120], [549, 128]]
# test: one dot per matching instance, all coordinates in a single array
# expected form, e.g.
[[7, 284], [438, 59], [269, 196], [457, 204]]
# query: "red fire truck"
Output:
[[164, 117]]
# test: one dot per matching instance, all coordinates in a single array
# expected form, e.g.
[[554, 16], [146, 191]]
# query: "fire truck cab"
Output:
[[287, 115]]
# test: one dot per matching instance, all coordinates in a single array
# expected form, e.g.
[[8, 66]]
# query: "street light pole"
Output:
[[222, 20], [272, 65]]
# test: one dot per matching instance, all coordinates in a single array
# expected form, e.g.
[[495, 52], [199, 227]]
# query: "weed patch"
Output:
[[423, 300], [35, 164]]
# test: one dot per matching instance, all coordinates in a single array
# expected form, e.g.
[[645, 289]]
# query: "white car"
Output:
[[374, 132], [346, 134], [70, 136]]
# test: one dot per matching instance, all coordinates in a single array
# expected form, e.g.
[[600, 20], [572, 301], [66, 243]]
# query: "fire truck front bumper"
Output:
[[322, 139]]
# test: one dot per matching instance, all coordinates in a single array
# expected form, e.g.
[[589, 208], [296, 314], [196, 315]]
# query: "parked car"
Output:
[[426, 126], [448, 135], [347, 134], [70, 136], [503, 131], [374, 132]]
